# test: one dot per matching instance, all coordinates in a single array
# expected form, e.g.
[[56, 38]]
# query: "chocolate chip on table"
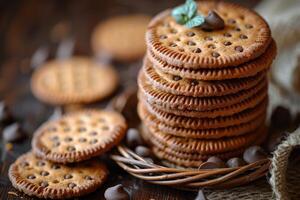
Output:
[[213, 22], [212, 163], [44, 184], [253, 154], [5, 114], [275, 138], [116, 193], [133, 138], [200, 195], [235, 162], [281, 117], [143, 151], [13, 133], [57, 114]]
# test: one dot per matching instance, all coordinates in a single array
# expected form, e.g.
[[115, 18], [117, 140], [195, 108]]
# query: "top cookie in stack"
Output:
[[203, 90]]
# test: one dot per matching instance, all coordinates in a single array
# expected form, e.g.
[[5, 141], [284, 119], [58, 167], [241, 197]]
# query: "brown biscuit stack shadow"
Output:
[[203, 93]]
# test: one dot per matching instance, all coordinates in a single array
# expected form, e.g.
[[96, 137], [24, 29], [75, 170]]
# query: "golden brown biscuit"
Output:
[[122, 37], [79, 136], [245, 37], [41, 178], [73, 81]]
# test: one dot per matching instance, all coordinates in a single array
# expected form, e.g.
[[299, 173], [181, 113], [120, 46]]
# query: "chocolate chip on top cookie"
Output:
[[79, 136]]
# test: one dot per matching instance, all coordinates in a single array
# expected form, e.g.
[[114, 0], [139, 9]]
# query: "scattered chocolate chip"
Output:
[[71, 148], [207, 38], [176, 78], [215, 54], [5, 114], [55, 167], [212, 46], [227, 35], [116, 193], [40, 163], [94, 141], [248, 26], [227, 43], [209, 165], [217, 160], [281, 117], [89, 178], [68, 176], [44, 184], [191, 43], [93, 133], [173, 45], [82, 140], [243, 36], [13, 133], [237, 29], [231, 21], [200, 196], [143, 151], [235, 162], [57, 114], [31, 177], [239, 48], [275, 138], [56, 144], [68, 139], [72, 185], [44, 173], [253, 154], [163, 37], [133, 138], [194, 82], [54, 138], [190, 34], [81, 129], [198, 50], [173, 31], [213, 22], [24, 164]]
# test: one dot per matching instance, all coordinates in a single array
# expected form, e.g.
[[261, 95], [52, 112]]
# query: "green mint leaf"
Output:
[[191, 7], [195, 21], [179, 13]]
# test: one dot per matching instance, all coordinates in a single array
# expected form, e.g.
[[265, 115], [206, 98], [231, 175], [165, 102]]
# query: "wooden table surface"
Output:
[[32, 31]]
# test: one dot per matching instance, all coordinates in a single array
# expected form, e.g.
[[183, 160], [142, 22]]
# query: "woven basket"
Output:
[[188, 179]]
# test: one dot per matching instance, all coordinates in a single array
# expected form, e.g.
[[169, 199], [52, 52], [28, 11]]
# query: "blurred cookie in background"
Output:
[[121, 37], [77, 80]]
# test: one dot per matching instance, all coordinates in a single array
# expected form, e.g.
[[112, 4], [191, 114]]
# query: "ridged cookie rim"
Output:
[[244, 70]]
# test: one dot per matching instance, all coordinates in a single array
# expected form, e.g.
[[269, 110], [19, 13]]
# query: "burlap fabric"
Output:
[[284, 180]]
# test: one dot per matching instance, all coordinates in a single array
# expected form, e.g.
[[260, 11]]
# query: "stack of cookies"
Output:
[[203, 93], [63, 162]]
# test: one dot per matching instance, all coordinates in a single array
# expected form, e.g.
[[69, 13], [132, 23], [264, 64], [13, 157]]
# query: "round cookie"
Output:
[[73, 81], [245, 37], [168, 100], [122, 37], [37, 177], [145, 109], [250, 68], [206, 146], [193, 87], [79, 136], [226, 111], [213, 133]]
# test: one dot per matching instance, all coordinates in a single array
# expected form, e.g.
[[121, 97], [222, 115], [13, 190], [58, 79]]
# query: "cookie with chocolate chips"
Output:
[[245, 36], [79, 136], [38, 177]]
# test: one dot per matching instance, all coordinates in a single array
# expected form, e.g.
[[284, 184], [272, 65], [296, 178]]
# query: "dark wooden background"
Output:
[[33, 31]]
